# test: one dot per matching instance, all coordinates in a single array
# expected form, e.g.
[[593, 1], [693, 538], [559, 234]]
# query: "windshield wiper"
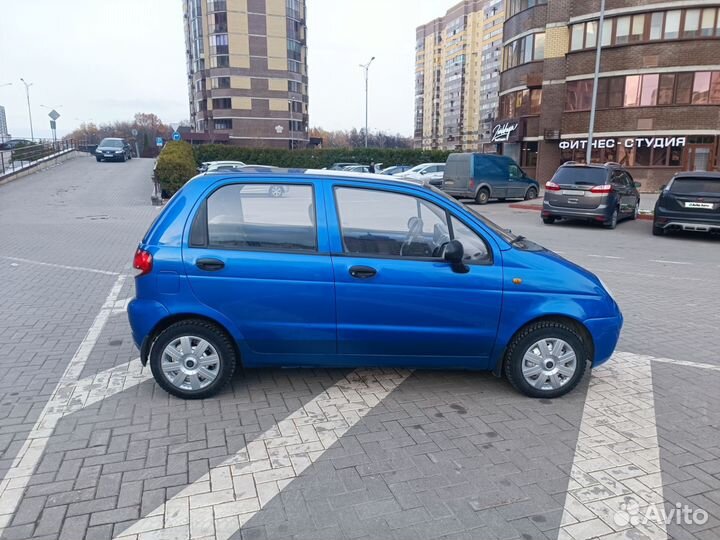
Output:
[[518, 238]]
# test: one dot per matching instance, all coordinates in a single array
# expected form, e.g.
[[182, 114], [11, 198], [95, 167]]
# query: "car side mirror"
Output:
[[638, 184], [662, 188], [423, 172], [453, 253]]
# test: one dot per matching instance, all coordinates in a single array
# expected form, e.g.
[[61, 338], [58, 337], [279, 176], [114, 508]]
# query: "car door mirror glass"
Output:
[[638, 184]]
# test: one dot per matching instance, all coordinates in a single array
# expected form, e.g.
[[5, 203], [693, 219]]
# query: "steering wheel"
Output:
[[415, 227]]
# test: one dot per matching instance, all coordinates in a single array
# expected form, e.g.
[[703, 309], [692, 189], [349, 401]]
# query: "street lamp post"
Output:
[[27, 95], [366, 67], [593, 105]]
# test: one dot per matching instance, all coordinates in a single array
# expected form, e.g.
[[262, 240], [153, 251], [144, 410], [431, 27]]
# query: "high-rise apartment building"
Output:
[[3, 124], [457, 61], [247, 70]]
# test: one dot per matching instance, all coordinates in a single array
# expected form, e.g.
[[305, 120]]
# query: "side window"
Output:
[[278, 217], [629, 182], [474, 247], [383, 223], [514, 171]]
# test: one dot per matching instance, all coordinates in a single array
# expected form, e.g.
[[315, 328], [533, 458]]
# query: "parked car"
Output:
[[601, 193], [430, 173], [113, 149], [395, 169], [358, 168], [349, 271], [342, 166], [690, 202], [487, 176], [15, 143], [239, 167], [207, 165]]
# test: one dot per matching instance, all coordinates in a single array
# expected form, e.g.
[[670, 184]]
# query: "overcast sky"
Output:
[[105, 60]]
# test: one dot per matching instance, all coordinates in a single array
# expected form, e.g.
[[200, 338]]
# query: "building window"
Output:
[[216, 5], [294, 86], [222, 103], [220, 82], [528, 154], [521, 103], [644, 27], [224, 123], [218, 23], [220, 61], [702, 88], [516, 6], [526, 49], [219, 44]]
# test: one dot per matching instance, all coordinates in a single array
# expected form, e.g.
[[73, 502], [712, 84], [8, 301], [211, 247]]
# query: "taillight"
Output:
[[143, 261], [551, 186], [471, 184], [606, 188]]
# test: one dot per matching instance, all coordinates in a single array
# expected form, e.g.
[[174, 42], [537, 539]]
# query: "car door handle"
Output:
[[362, 272], [211, 265]]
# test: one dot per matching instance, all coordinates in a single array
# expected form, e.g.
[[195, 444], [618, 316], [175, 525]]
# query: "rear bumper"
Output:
[[144, 315], [685, 221], [605, 333], [601, 211]]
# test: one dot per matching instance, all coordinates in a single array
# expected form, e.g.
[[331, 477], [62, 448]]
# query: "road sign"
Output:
[[176, 136], [158, 141], [52, 124], [54, 114], [134, 132]]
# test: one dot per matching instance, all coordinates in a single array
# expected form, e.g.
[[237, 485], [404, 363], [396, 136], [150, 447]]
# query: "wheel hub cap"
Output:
[[190, 363], [549, 364]]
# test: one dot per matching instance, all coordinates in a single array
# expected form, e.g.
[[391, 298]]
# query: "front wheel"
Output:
[[98, 159], [531, 193], [636, 210], [482, 196], [192, 359], [546, 359]]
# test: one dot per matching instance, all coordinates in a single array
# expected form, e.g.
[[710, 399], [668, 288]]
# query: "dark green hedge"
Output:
[[175, 166], [317, 159]]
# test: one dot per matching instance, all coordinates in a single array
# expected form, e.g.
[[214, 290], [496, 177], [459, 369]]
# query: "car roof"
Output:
[[711, 175], [608, 165], [249, 171]]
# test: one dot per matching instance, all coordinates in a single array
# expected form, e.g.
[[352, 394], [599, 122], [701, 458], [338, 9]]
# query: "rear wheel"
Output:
[[276, 191], [192, 359], [482, 196], [548, 220], [658, 231], [531, 193], [612, 222], [546, 359]]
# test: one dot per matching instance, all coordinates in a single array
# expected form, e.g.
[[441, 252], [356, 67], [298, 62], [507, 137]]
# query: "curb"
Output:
[[647, 216]]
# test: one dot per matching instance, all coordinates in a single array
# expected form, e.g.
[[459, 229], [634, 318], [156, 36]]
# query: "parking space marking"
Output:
[[21, 471], [604, 256], [616, 466], [246, 482], [62, 266], [669, 262], [686, 363]]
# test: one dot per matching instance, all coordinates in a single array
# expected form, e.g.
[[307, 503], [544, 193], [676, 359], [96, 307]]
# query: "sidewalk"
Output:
[[647, 203]]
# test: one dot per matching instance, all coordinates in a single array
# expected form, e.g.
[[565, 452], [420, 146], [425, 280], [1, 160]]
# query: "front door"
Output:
[[698, 157], [397, 300], [256, 258], [517, 182]]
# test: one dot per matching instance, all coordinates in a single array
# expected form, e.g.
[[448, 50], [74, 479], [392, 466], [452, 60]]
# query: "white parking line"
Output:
[[604, 256], [16, 480], [669, 262], [63, 266]]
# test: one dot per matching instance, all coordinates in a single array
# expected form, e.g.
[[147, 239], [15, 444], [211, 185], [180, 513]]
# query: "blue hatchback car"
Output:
[[350, 270]]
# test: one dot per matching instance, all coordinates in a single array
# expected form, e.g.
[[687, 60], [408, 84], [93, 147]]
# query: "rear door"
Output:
[[494, 172], [398, 301], [262, 261], [623, 185]]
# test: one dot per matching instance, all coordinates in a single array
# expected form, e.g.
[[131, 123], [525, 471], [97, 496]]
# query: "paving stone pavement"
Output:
[[337, 453]]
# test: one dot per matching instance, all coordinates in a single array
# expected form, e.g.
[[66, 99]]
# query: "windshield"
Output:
[[694, 186], [112, 143], [417, 168], [580, 176]]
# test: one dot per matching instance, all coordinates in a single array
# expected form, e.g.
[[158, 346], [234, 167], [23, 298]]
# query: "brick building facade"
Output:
[[658, 92]]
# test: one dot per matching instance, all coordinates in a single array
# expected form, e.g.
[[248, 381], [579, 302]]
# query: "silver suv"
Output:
[[601, 193]]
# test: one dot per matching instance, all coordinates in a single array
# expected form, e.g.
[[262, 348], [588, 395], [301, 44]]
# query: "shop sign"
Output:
[[506, 131], [637, 142]]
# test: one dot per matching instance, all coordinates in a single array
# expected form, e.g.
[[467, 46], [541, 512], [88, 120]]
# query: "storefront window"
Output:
[[528, 154], [642, 156]]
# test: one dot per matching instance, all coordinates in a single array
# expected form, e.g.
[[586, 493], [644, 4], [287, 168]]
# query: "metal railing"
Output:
[[30, 153]]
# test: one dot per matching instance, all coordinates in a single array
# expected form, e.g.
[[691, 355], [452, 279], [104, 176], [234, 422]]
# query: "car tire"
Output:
[[124, 158], [612, 223], [551, 381], [482, 196], [636, 210], [548, 220], [98, 159], [658, 231], [276, 191], [531, 193], [191, 333]]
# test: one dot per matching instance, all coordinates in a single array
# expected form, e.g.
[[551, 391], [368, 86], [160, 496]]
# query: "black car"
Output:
[[113, 149], [601, 193], [690, 202], [15, 143]]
